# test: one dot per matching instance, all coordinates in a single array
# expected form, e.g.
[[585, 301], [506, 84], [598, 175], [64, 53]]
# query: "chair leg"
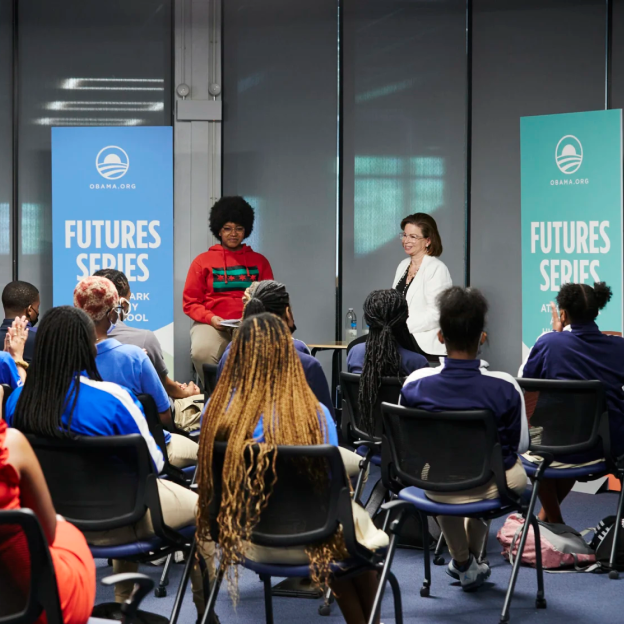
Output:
[[396, 594], [268, 599], [359, 485], [385, 571], [177, 605], [613, 573], [540, 601], [425, 589], [516, 565], [438, 559], [214, 592], [161, 590], [328, 598]]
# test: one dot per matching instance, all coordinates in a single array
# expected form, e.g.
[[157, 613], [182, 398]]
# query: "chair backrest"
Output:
[[210, 379], [27, 579], [565, 416], [300, 510], [97, 483], [352, 424], [7, 393], [439, 451], [158, 433]]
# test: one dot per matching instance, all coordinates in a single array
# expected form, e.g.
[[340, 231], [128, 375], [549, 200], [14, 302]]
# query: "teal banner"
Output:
[[571, 174]]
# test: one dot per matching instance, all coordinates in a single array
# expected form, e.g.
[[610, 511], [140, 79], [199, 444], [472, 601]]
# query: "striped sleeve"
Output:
[[130, 417]]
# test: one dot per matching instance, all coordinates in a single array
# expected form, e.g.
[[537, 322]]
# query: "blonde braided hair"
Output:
[[262, 376]]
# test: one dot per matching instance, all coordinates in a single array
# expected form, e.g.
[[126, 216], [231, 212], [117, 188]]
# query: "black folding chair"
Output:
[[30, 554], [7, 393], [182, 476], [450, 452], [210, 379], [354, 432], [102, 483], [570, 417], [300, 513]]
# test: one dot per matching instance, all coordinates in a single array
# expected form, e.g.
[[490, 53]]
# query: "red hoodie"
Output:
[[217, 280]]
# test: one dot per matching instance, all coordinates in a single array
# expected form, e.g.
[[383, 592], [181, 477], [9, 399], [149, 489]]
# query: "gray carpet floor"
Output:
[[572, 598]]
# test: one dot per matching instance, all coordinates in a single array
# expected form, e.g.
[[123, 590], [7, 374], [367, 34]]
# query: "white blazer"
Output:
[[423, 322]]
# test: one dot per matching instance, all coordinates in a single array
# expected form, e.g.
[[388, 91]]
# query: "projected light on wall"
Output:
[[32, 229], [254, 240], [5, 230], [386, 190]]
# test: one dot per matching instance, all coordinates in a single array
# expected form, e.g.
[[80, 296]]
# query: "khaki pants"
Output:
[[187, 413], [467, 535], [178, 508], [207, 345], [181, 451]]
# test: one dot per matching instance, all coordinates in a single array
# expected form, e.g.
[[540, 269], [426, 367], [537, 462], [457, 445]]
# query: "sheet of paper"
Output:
[[231, 322]]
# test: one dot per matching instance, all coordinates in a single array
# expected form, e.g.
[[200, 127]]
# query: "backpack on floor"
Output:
[[603, 541], [561, 545]]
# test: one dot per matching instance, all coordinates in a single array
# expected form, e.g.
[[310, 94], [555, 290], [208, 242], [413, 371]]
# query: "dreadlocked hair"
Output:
[[267, 296], [64, 348], [262, 376], [384, 311]]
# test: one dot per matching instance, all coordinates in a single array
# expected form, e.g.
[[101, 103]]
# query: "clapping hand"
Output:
[[557, 325], [15, 338]]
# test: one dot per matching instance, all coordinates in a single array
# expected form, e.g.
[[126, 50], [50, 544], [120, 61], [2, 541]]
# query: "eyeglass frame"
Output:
[[403, 236]]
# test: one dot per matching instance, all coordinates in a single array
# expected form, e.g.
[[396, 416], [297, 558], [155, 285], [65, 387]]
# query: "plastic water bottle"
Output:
[[365, 327], [351, 325]]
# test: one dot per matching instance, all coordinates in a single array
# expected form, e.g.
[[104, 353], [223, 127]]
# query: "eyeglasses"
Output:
[[412, 238]]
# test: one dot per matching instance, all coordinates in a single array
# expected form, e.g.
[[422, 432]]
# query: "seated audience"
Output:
[[271, 296], [382, 354], [64, 395], [12, 365], [22, 485], [218, 277], [128, 365], [580, 352], [20, 299], [464, 383], [262, 397], [183, 397]]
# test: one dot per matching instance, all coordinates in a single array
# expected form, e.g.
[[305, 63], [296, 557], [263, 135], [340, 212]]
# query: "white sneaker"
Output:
[[474, 576], [452, 571]]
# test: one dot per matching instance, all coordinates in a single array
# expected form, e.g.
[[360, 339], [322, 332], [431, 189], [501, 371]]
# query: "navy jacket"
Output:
[[29, 347], [313, 373], [468, 385], [584, 353], [410, 360]]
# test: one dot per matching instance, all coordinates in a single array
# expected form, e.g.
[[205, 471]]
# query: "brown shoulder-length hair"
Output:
[[429, 229]]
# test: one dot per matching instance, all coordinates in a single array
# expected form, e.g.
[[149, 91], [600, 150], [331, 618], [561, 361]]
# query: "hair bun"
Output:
[[603, 294]]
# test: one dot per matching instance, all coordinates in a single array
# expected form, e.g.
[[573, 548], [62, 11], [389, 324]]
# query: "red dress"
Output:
[[71, 557]]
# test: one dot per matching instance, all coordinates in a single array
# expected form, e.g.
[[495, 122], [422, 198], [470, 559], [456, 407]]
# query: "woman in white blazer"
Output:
[[420, 278]]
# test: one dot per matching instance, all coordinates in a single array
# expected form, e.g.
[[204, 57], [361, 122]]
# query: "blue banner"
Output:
[[571, 212], [112, 207]]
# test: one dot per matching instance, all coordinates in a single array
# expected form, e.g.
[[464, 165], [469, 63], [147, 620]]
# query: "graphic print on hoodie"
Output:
[[218, 278]]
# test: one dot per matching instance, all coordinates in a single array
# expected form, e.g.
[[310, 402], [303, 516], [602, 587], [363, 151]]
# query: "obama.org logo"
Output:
[[569, 154], [112, 162]]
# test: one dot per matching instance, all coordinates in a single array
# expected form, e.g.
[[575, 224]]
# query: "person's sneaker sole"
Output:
[[477, 583]]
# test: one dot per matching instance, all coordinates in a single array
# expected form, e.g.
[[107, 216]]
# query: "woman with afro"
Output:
[[218, 278]]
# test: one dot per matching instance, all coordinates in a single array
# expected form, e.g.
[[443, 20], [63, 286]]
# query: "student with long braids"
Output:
[[582, 351], [263, 377], [386, 352], [271, 296], [64, 396]]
